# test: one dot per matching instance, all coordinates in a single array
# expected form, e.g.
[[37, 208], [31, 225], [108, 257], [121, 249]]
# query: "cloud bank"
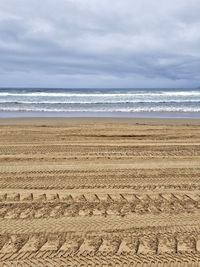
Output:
[[92, 43]]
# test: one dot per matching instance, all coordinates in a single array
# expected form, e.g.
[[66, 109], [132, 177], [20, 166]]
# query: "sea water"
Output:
[[23, 102]]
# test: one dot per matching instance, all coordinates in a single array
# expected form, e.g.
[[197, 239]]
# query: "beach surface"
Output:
[[99, 192]]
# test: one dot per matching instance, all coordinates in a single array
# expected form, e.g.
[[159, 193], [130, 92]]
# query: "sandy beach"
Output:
[[99, 192]]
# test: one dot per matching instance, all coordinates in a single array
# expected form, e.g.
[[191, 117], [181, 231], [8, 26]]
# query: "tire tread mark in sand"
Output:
[[64, 246], [29, 205], [103, 151], [51, 184]]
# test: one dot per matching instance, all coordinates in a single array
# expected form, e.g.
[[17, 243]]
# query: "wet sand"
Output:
[[99, 192]]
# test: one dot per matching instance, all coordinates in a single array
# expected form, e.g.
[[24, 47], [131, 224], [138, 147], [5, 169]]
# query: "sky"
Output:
[[100, 43]]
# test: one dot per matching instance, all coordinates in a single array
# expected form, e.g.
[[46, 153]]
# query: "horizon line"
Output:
[[98, 88]]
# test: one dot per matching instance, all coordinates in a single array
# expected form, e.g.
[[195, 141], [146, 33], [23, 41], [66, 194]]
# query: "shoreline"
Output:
[[137, 115], [45, 121]]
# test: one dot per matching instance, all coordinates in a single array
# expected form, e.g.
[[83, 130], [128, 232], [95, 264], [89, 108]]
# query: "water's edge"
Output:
[[163, 115]]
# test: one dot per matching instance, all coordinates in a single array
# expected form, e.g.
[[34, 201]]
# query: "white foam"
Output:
[[146, 109], [99, 95]]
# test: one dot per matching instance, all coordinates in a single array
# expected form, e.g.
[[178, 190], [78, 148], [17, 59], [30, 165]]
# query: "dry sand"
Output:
[[99, 192]]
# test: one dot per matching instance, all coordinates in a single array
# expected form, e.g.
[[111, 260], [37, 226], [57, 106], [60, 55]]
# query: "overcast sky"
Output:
[[100, 43]]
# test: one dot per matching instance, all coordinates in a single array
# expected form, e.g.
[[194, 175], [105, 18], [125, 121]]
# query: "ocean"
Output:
[[161, 103]]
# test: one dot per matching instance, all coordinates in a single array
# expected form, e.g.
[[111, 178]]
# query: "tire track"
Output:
[[15, 206]]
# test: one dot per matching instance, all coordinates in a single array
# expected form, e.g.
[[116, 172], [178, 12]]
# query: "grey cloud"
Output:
[[91, 43]]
